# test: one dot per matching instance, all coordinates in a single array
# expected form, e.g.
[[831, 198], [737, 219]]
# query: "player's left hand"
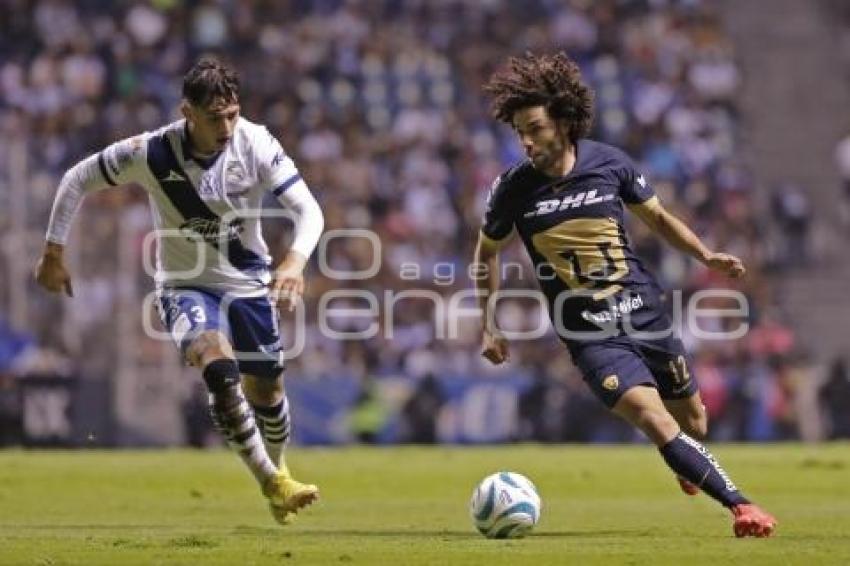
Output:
[[494, 347], [288, 281], [728, 264]]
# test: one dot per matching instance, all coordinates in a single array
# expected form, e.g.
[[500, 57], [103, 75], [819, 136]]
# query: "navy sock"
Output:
[[694, 462]]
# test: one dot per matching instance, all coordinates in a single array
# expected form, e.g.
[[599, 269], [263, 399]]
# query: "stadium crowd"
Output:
[[380, 105]]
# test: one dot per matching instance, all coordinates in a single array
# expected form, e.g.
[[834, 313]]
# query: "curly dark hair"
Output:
[[209, 79], [553, 81]]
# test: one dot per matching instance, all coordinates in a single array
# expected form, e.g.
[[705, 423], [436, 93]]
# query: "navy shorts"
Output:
[[251, 325], [613, 366]]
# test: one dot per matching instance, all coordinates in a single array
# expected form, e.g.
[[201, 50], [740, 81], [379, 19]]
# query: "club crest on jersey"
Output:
[[575, 200], [611, 382], [236, 180]]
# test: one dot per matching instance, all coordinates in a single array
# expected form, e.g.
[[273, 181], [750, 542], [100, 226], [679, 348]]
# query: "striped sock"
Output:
[[274, 424], [233, 418]]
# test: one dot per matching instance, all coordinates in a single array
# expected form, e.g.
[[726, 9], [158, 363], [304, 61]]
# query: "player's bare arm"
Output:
[[50, 271], [494, 346], [664, 223]]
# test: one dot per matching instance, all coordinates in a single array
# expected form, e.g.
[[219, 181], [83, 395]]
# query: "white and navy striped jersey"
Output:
[[206, 215]]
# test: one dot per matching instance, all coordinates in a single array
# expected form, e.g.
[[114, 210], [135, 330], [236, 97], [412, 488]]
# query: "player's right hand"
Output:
[[494, 347], [50, 271]]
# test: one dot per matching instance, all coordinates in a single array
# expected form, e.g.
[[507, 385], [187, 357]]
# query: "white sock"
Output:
[[234, 419], [275, 425]]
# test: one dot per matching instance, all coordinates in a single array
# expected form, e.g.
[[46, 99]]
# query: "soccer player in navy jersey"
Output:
[[206, 177], [566, 202]]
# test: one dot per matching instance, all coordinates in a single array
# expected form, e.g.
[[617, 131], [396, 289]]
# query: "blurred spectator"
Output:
[[11, 417], [532, 410], [200, 432], [14, 347], [422, 411], [842, 162], [368, 415], [835, 397], [792, 211]]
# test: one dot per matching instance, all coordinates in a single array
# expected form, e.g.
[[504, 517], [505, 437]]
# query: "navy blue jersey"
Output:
[[573, 229]]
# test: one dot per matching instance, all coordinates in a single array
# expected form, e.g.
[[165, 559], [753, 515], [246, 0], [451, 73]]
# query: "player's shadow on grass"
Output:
[[436, 533], [93, 527], [245, 530], [592, 534]]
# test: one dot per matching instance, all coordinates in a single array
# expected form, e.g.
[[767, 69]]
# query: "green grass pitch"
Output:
[[408, 505]]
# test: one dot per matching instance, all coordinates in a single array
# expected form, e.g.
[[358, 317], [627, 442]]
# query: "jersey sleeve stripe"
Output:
[[103, 170], [281, 188]]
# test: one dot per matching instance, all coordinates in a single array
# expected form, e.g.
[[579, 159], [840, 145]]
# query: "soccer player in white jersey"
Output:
[[206, 177]]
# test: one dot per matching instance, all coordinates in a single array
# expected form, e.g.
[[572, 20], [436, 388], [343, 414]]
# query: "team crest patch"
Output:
[[236, 179], [234, 172], [610, 383]]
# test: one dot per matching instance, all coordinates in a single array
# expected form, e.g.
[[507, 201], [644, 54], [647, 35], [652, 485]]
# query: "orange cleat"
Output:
[[687, 487], [752, 521]]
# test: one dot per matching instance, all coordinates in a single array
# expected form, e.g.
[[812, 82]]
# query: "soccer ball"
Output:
[[505, 505]]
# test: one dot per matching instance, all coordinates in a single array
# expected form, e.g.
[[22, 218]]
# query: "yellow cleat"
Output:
[[287, 496]]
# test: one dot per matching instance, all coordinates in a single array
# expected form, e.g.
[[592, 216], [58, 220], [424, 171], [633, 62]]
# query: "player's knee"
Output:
[[221, 376], [207, 347]]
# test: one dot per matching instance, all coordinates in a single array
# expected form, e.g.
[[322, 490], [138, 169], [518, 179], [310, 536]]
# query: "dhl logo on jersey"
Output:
[[576, 200]]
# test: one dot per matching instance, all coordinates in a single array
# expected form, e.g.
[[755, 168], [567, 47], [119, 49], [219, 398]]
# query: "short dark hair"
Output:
[[209, 79], [552, 81]]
